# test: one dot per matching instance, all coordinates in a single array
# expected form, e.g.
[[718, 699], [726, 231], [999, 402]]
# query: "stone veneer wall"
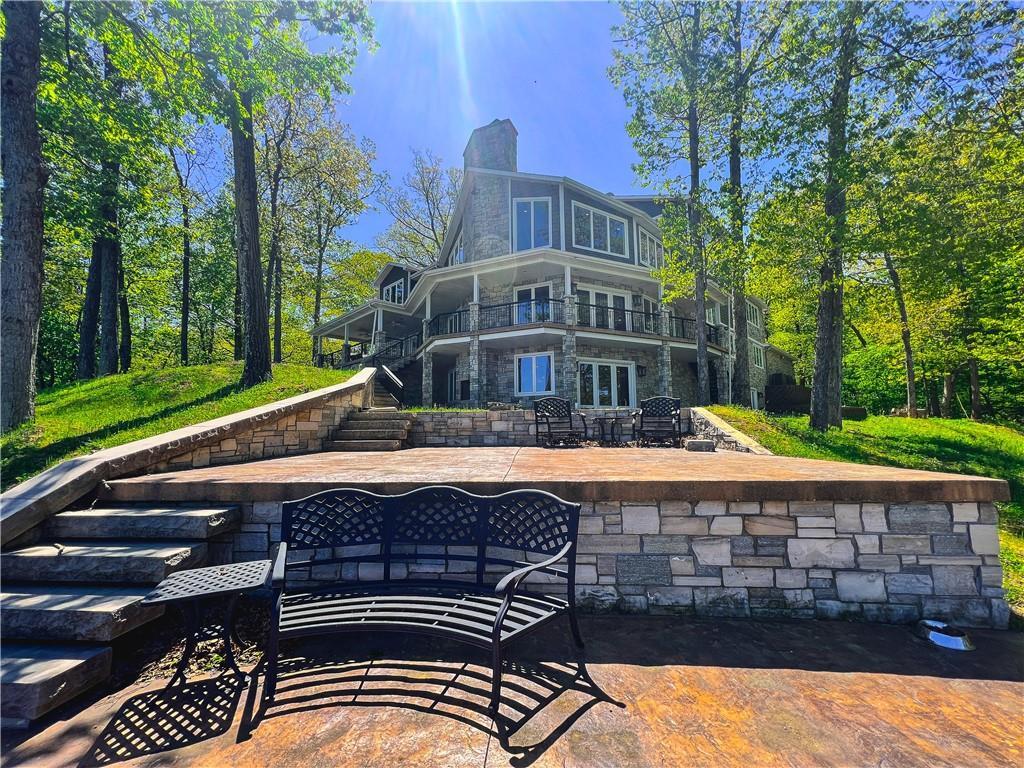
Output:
[[457, 429], [705, 424], [860, 560]]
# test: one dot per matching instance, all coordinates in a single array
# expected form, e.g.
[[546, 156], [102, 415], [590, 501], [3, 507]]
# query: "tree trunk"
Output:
[[826, 389], [21, 263], [318, 290], [90, 324], [934, 406], [948, 393], [972, 368], [186, 257], [254, 303], [741, 360], [277, 309], [108, 274], [239, 345], [694, 219], [125, 347], [908, 350]]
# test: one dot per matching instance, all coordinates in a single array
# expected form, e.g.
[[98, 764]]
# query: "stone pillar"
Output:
[[665, 369], [427, 397], [346, 352], [666, 321], [474, 317], [474, 370], [570, 309], [570, 367], [379, 340]]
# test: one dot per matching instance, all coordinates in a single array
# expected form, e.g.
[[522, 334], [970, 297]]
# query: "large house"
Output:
[[544, 286]]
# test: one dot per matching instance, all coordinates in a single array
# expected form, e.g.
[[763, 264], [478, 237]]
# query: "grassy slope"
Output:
[[945, 445], [82, 418]]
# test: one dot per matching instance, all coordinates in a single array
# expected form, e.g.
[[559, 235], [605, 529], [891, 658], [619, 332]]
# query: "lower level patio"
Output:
[[667, 692]]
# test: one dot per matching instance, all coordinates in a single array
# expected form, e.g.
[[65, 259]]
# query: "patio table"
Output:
[[609, 429], [187, 590]]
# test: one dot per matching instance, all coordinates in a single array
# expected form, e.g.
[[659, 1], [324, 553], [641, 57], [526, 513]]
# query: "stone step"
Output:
[[35, 678], [84, 613], [143, 522], [364, 445], [365, 431], [379, 419], [126, 562]]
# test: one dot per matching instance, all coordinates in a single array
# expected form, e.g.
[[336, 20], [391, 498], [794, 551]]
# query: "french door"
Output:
[[533, 304], [604, 384], [603, 309]]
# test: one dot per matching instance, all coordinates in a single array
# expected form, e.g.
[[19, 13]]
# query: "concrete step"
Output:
[[364, 445], [369, 432], [143, 522], [83, 613], [35, 678], [379, 418], [83, 561]]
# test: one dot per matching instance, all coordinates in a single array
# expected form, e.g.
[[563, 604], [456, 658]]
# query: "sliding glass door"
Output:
[[604, 384]]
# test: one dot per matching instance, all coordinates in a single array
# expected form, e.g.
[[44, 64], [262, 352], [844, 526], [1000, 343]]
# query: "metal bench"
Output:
[[349, 526], [555, 429], [659, 420]]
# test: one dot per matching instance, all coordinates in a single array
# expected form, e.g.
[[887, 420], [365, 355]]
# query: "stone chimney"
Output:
[[492, 146]]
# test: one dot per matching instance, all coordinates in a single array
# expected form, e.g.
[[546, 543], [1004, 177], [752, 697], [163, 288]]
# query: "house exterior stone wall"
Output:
[[862, 560]]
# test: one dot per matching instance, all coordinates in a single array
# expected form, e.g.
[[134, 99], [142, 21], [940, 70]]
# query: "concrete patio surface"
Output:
[[693, 692], [585, 474]]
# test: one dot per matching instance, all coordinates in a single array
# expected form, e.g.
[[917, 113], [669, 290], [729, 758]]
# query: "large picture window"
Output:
[[598, 231], [532, 228], [535, 374]]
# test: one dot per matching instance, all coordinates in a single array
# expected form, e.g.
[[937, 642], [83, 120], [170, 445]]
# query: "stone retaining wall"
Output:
[[798, 559], [456, 429], [726, 437]]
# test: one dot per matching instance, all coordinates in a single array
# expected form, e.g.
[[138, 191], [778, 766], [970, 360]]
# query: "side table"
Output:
[[609, 430], [188, 589]]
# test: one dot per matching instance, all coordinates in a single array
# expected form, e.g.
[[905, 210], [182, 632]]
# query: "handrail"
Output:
[[515, 313], [449, 322], [618, 319]]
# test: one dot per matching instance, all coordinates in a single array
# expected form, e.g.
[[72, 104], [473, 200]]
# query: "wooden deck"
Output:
[[585, 474]]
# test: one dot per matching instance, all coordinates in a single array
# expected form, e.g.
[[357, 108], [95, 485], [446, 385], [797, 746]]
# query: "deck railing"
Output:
[[522, 313], [617, 319], [686, 328], [449, 322]]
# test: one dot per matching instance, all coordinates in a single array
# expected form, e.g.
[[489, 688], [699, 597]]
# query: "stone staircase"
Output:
[[76, 589], [378, 429]]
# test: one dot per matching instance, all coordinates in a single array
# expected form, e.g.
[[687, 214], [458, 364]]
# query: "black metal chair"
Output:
[[348, 526], [553, 416], [659, 420]]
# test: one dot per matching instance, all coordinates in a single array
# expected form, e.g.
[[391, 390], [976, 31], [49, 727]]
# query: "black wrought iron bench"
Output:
[[554, 423], [388, 530], [659, 420]]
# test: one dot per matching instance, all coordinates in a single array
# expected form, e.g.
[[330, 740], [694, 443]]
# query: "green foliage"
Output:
[[939, 445], [81, 418]]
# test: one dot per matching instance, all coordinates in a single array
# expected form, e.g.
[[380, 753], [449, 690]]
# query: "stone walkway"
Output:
[[585, 474], [706, 693]]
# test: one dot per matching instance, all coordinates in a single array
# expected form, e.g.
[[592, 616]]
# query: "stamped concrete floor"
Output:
[[693, 692]]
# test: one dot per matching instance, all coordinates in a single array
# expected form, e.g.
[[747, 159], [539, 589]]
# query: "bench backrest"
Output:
[[435, 516], [552, 408], [660, 407]]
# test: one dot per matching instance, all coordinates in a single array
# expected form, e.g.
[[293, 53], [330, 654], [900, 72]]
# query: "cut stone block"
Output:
[[704, 446], [909, 583], [848, 518], [712, 551], [907, 545], [873, 516], [791, 578], [920, 518], [640, 519], [36, 678], [643, 569], [860, 587], [127, 562], [954, 580], [821, 553], [984, 539], [766, 525], [87, 614], [965, 512], [726, 526], [747, 577], [687, 526], [142, 522], [721, 601]]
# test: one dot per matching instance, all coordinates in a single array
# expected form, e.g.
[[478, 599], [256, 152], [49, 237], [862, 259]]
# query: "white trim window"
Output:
[[757, 355], [606, 384], [651, 253], [755, 317], [394, 293], [756, 399], [458, 255], [598, 231], [533, 303], [535, 374], [531, 223], [711, 313]]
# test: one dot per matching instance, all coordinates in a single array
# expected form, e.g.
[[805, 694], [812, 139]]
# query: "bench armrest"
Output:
[[277, 576], [511, 581]]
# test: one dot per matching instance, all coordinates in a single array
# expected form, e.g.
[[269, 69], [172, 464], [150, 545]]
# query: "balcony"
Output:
[[588, 317]]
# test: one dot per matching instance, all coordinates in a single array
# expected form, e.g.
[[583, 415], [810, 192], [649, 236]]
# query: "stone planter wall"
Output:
[[457, 429], [870, 561]]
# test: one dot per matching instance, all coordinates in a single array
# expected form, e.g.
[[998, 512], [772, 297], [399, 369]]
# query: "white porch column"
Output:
[[476, 289]]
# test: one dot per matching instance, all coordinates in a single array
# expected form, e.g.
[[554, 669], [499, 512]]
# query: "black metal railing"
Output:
[[328, 359], [686, 328], [522, 313], [617, 319], [449, 322]]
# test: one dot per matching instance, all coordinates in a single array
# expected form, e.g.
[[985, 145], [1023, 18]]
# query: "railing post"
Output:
[[570, 309]]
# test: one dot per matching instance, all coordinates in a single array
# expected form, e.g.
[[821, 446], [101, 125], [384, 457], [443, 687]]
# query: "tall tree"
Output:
[[421, 207], [24, 177]]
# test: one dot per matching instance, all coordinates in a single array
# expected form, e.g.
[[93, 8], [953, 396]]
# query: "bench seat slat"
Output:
[[532, 604]]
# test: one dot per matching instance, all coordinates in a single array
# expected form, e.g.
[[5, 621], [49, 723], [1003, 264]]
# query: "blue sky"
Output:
[[442, 69]]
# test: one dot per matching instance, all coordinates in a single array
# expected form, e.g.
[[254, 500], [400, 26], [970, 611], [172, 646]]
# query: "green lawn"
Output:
[[944, 445], [82, 418]]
